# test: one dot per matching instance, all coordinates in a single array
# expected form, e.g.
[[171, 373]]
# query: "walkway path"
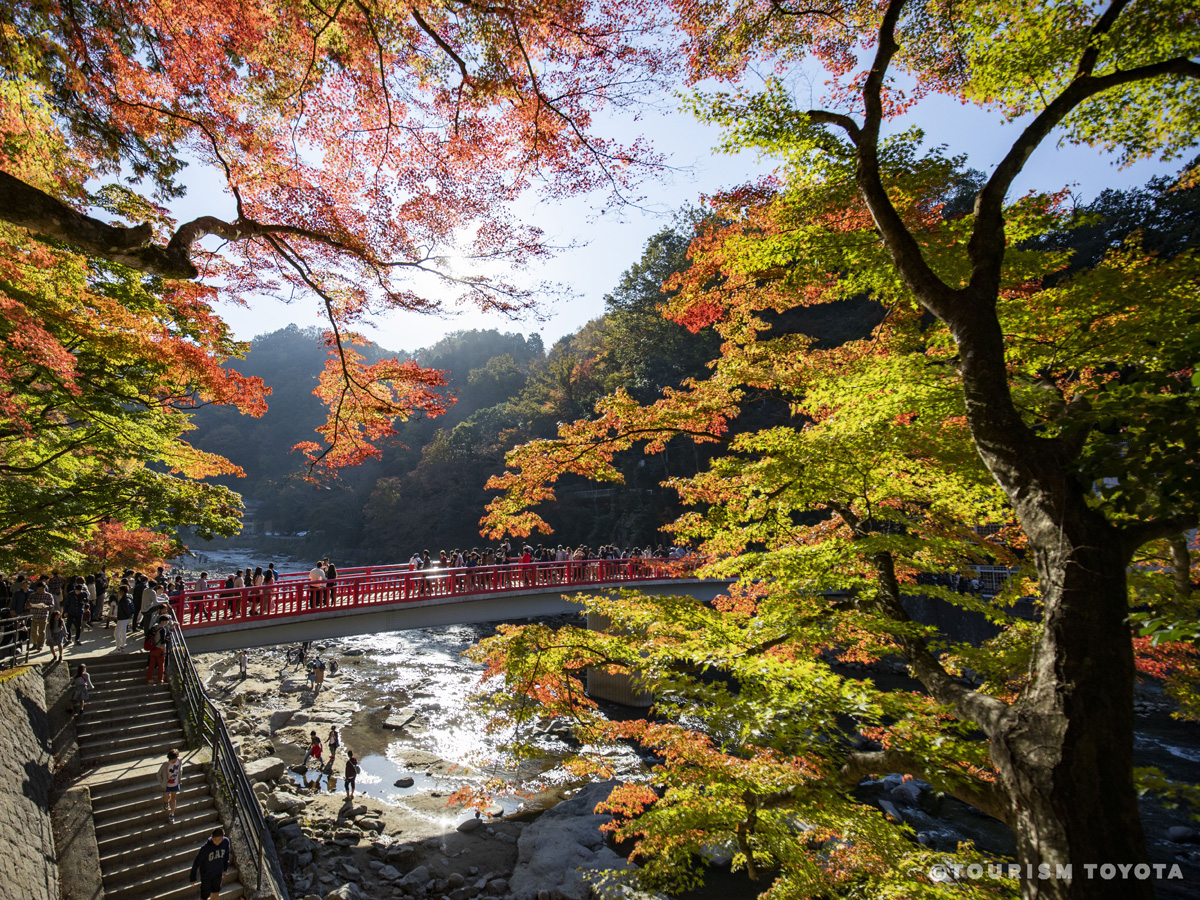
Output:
[[123, 736]]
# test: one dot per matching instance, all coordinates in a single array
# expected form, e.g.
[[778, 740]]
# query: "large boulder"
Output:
[[555, 852], [270, 768], [281, 801], [280, 718]]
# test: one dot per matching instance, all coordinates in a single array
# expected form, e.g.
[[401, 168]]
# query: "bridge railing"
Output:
[[294, 594]]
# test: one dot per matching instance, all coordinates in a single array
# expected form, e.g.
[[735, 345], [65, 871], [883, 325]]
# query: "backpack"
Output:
[[148, 643]]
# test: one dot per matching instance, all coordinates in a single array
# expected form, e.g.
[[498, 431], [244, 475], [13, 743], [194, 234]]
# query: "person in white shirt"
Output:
[[316, 584]]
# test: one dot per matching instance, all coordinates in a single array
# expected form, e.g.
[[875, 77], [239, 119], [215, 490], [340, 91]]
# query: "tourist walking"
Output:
[[125, 611], [58, 635], [170, 774], [39, 610], [82, 688], [334, 742], [75, 602], [314, 750], [157, 642], [211, 864], [351, 773], [243, 659]]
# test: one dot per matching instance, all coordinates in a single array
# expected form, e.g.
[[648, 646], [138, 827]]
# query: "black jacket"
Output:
[[213, 859]]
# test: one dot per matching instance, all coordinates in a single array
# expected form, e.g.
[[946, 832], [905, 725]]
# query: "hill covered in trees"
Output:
[[426, 491]]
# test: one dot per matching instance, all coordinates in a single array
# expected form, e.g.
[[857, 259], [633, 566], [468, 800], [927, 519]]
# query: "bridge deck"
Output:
[[381, 599]]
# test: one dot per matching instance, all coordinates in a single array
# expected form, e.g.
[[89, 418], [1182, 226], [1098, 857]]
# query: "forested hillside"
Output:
[[427, 491]]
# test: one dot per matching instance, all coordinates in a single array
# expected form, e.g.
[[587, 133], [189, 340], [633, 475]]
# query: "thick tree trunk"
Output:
[[1065, 748]]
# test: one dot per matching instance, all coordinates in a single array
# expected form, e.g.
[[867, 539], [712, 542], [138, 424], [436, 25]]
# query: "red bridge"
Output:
[[395, 598]]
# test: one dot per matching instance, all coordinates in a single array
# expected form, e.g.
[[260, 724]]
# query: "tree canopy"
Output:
[[1058, 408], [369, 153]]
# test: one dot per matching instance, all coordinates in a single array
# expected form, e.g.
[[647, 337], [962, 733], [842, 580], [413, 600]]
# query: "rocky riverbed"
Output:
[[401, 704]]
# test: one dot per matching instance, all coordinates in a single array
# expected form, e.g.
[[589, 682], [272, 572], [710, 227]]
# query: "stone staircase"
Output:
[[124, 735]]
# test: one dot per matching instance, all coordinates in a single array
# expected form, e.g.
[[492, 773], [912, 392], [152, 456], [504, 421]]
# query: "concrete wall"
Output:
[[27, 864]]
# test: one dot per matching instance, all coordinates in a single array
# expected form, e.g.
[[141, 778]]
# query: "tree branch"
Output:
[[987, 245], [983, 795], [983, 710], [1136, 534]]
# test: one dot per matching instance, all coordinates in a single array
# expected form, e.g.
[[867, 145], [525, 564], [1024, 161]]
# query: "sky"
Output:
[[603, 244]]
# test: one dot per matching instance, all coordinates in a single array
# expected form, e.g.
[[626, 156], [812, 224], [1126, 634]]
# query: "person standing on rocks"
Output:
[[318, 674], [334, 742], [82, 689], [211, 864], [351, 773], [170, 776], [314, 750]]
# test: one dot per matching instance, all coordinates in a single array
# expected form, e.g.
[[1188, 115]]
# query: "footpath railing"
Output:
[[207, 725], [14, 640], [293, 594]]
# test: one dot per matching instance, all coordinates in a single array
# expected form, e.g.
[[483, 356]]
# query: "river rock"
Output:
[[417, 876], [890, 810], [389, 873], [279, 801], [270, 768], [345, 892], [280, 718], [470, 825], [399, 718], [1181, 834], [406, 781], [908, 792], [563, 843]]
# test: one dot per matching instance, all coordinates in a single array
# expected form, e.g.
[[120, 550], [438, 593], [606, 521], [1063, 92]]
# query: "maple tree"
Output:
[[100, 369], [369, 150], [999, 390]]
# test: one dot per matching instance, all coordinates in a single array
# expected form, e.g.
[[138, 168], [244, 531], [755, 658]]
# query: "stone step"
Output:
[[136, 747], [102, 707], [98, 730], [172, 884], [150, 804], [119, 791], [125, 693], [115, 838]]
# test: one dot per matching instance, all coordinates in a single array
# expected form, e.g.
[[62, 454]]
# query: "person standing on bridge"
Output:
[[330, 582], [316, 584]]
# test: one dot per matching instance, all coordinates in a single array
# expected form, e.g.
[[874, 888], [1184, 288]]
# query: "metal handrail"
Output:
[[9, 633], [208, 726]]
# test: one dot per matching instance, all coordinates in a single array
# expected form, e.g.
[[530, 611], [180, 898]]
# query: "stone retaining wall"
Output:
[[27, 863]]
